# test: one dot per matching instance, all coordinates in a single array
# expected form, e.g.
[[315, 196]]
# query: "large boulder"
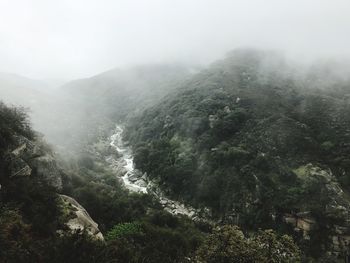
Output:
[[78, 219]]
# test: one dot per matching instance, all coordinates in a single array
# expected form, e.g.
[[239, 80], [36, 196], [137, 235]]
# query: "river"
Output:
[[133, 180]]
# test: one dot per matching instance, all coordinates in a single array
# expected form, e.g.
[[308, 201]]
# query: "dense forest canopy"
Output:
[[162, 131], [257, 142], [254, 140]]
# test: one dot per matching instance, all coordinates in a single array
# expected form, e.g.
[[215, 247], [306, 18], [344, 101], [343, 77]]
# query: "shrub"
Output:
[[124, 229]]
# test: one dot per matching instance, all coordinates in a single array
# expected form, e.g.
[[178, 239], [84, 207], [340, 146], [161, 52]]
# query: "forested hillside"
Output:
[[261, 142], [165, 131], [41, 222], [89, 108], [81, 111], [253, 140], [117, 93]]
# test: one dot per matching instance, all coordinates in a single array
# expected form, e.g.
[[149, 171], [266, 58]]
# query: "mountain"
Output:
[[254, 140], [118, 93], [78, 112], [40, 222], [36, 97], [22, 91], [260, 141], [89, 108]]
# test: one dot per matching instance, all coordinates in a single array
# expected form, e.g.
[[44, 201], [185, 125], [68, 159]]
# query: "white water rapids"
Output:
[[134, 181], [127, 161]]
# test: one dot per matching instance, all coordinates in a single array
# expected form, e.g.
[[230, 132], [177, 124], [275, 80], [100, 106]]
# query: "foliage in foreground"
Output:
[[228, 244]]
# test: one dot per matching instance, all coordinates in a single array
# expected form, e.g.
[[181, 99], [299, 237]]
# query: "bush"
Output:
[[124, 229]]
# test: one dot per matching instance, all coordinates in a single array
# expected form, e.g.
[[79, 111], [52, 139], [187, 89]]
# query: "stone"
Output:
[[25, 171], [81, 220], [141, 183], [212, 120], [290, 219], [227, 109], [18, 151]]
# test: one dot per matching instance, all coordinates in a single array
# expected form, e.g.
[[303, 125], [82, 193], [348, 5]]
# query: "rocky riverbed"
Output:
[[123, 164]]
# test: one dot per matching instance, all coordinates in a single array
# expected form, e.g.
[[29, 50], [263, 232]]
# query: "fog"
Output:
[[64, 40], [226, 116], [81, 65]]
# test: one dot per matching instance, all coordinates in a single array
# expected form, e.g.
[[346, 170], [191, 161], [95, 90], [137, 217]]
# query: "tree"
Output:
[[228, 244], [274, 248]]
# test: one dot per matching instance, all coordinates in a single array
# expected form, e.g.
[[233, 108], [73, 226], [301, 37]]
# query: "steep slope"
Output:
[[43, 104], [31, 212], [24, 92], [77, 113], [117, 93], [258, 142]]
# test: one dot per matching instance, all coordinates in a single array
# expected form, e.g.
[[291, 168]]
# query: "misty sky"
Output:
[[78, 38]]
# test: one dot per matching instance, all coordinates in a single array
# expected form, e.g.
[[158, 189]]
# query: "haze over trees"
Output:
[[249, 138], [138, 136]]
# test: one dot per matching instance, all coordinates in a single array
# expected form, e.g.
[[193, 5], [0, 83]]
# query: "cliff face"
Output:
[[337, 208], [32, 157]]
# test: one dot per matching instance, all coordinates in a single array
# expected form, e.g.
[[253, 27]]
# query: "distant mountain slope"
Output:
[[74, 114], [260, 142], [117, 93], [20, 90], [92, 106], [28, 93]]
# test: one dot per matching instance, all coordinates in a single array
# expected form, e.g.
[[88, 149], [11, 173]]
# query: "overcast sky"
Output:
[[78, 38]]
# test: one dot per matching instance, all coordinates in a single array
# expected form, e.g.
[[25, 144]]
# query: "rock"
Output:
[[29, 156], [163, 202], [18, 151], [20, 168], [81, 220], [28, 149], [144, 177], [135, 181], [168, 123], [290, 219], [305, 224], [141, 183], [212, 120], [134, 176], [302, 221]]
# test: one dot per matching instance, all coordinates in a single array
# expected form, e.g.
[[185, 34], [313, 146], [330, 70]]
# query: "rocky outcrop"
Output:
[[19, 168], [302, 222], [213, 119], [29, 156], [341, 241], [78, 219], [337, 205], [178, 208]]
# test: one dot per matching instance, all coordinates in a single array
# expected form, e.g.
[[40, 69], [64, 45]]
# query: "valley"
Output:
[[165, 165], [135, 181]]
